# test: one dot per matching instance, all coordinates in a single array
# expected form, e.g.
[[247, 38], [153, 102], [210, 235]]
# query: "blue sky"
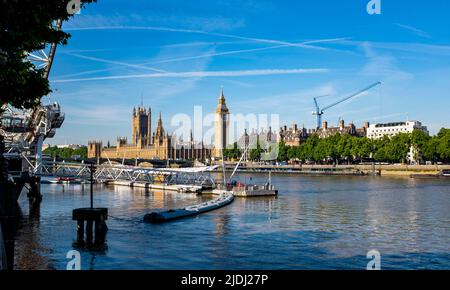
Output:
[[271, 57]]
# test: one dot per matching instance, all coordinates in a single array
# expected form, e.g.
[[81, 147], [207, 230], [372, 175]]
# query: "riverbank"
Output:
[[360, 169]]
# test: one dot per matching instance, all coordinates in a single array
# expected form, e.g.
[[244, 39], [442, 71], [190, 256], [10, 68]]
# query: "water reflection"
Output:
[[30, 251], [315, 223]]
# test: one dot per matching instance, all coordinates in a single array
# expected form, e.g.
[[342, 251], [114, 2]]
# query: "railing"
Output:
[[254, 187], [111, 172]]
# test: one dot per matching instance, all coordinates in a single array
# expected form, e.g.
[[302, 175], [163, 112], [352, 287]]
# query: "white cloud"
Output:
[[382, 66]]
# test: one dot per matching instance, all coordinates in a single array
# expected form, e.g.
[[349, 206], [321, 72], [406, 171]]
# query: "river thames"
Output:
[[314, 223]]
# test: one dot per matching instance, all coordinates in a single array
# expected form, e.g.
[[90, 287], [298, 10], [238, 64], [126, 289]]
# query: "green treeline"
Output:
[[345, 148], [66, 153]]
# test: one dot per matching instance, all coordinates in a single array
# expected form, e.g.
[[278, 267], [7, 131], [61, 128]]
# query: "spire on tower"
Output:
[[222, 107]]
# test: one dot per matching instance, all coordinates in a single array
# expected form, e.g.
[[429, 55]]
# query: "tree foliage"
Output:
[[66, 153], [25, 26], [345, 148], [232, 153]]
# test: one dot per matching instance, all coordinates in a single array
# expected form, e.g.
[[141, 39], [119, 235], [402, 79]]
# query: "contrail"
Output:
[[142, 65], [157, 28], [116, 62], [196, 74], [213, 54]]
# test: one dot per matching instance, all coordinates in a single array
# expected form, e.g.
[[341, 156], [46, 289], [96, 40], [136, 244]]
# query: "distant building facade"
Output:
[[145, 145], [292, 136], [295, 136], [159, 144], [342, 129], [376, 131]]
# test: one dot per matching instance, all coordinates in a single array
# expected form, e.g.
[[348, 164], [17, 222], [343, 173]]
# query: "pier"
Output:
[[132, 175]]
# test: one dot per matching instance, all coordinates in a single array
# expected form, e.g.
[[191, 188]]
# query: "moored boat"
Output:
[[172, 214], [61, 180]]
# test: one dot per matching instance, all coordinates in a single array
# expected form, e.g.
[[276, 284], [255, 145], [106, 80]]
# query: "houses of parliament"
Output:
[[159, 144]]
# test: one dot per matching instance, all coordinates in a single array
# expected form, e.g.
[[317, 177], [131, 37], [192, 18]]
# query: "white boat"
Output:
[[61, 180]]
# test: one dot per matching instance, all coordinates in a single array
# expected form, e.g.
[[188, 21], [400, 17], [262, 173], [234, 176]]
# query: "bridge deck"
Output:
[[113, 173]]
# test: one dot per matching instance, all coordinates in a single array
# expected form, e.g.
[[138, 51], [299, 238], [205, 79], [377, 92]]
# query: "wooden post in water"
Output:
[[91, 225]]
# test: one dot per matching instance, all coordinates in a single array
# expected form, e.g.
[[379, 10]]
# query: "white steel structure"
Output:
[[110, 172], [25, 130]]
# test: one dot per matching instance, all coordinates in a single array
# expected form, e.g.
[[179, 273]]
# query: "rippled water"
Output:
[[314, 223]]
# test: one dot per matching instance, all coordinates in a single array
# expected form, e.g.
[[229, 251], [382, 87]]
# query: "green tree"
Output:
[[25, 26], [443, 147], [232, 153], [282, 152], [255, 154], [398, 147], [419, 140], [66, 153], [430, 151]]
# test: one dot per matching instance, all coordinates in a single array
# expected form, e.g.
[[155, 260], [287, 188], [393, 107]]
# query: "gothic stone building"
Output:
[[161, 145]]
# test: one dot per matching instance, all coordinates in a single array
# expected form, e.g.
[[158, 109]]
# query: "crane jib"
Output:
[[351, 96]]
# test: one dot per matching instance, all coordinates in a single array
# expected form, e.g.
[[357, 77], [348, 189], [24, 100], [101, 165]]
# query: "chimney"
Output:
[[294, 127], [325, 125], [341, 124], [366, 125]]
